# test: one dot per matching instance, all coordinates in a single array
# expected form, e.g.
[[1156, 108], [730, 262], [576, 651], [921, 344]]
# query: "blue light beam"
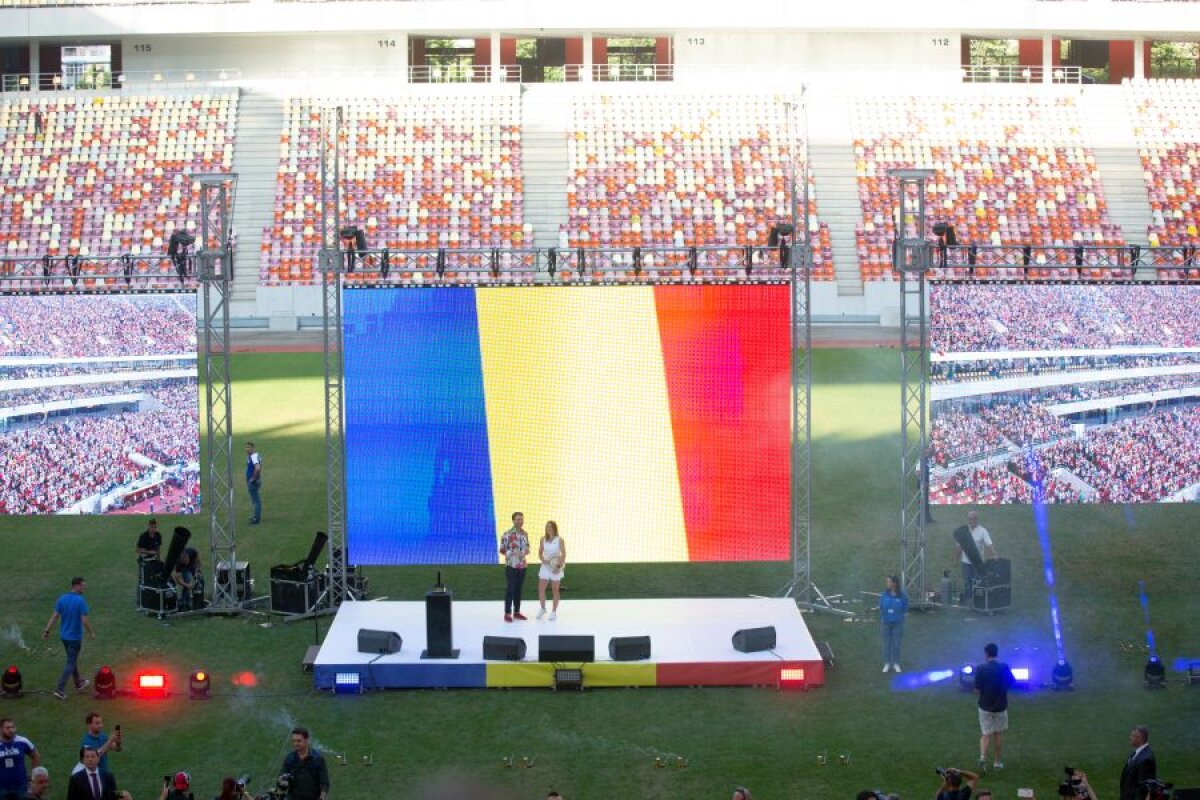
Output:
[[1042, 522]]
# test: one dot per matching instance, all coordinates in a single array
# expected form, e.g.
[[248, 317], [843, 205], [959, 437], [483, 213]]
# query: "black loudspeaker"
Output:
[[503, 648], [1186, 794], [439, 639], [555, 649], [179, 540], [629, 648], [752, 640], [380, 642]]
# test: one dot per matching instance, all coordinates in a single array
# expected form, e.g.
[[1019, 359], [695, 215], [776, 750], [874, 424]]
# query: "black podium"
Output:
[[439, 636]]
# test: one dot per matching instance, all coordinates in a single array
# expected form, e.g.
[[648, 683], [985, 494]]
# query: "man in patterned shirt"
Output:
[[514, 546]]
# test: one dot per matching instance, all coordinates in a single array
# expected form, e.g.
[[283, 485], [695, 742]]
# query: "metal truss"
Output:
[[912, 260], [338, 588], [214, 260]]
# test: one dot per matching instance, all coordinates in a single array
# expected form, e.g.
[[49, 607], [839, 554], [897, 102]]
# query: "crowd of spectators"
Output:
[[51, 466], [991, 317], [79, 326], [995, 368], [1140, 459], [93, 391]]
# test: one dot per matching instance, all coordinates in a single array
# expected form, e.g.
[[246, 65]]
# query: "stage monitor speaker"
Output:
[[752, 640], [503, 648], [1186, 794], [558, 649], [381, 642], [629, 648], [179, 540]]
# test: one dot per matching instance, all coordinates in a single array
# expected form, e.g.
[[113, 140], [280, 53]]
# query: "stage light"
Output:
[[199, 685], [1062, 677], [1193, 673], [1021, 677], [1155, 674], [966, 678], [569, 678], [10, 684], [347, 683], [792, 678], [152, 684], [105, 683]]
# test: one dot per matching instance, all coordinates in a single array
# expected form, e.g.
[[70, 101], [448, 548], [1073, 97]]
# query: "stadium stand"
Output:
[[103, 174], [1166, 124], [681, 170], [1008, 169], [421, 172]]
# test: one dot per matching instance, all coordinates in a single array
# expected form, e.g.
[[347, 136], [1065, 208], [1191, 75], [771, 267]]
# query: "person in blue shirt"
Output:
[[893, 605], [254, 481], [72, 610], [14, 749], [306, 766], [99, 740]]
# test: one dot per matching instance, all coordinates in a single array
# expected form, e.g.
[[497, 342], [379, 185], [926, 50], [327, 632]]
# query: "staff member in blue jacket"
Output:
[[893, 605]]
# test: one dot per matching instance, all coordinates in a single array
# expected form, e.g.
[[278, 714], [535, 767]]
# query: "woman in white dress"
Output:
[[552, 551]]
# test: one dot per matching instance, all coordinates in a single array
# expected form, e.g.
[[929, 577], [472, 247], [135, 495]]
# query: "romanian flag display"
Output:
[[652, 423]]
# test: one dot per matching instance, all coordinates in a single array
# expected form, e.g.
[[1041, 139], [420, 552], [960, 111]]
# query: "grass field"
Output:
[[603, 743]]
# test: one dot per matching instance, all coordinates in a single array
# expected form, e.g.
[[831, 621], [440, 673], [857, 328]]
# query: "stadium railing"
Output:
[[1083, 262], [1016, 73], [97, 273], [567, 265], [464, 73], [57, 81]]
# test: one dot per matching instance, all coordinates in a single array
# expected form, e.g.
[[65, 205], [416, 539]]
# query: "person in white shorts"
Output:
[[552, 551], [993, 679]]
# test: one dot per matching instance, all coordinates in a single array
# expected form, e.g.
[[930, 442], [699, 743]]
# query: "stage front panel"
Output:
[[98, 404], [651, 423]]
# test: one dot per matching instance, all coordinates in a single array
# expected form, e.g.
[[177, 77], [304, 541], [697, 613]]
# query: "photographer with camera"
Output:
[[177, 787], [1076, 785], [234, 789], [952, 787], [308, 775]]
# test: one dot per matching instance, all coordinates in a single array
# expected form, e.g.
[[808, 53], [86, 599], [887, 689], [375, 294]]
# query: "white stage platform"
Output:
[[690, 644]]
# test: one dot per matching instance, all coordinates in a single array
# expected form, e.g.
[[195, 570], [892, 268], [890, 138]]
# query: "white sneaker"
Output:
[[886, 667], [553, 616], [895, 667], [541, 612]]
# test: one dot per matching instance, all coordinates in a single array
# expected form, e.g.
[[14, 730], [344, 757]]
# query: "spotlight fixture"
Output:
[[105, 683], [152, 684], [347, 683], [966, 678], [792, 678], [10, 684], [1155, 674], [199, 685], [568, 679], [1193, 673], [1021, 678], [1062, 677]]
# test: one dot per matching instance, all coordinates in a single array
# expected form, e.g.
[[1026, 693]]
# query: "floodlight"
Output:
[[792, 678], [966, 678], [105, 683], [347, 683], [1021, 677], [10, 684], [1155, 674], [1062, 677], [152, 684], [199, 685]]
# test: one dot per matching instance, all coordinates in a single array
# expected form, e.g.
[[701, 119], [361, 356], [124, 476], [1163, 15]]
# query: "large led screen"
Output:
[[98, 404], [651, 423], [1077, 393]]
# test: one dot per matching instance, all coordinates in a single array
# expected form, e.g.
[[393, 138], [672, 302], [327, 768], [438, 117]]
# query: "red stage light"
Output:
[[792, 678], [199, 685], [105, 683], [247, 679], [11, 684], [152, 684]]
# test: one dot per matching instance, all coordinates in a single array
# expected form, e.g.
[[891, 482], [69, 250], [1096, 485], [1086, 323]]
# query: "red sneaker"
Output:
[[508, 617], [519, 615]]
